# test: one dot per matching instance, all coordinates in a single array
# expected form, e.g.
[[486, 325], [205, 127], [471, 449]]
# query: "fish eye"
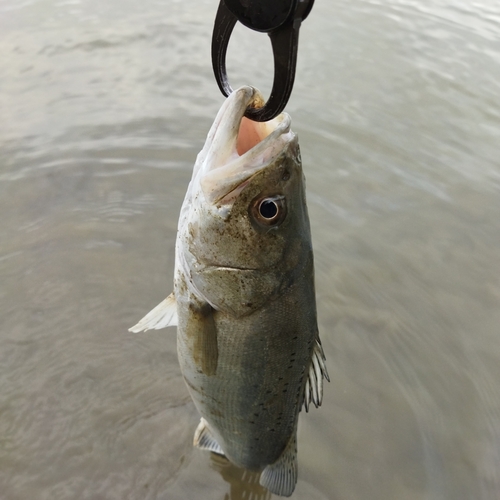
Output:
[[268, 208], [269, 211]]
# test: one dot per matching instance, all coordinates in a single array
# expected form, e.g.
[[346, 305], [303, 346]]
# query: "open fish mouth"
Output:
[[237, 148]]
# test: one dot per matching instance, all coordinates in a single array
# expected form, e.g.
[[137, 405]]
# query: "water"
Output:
[[104, 106]]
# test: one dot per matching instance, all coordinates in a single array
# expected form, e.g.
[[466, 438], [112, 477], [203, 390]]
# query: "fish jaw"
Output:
[[236, 148], [219, 242], [219, 245]]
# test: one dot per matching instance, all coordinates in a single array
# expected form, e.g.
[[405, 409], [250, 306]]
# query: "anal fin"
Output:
[[204, 440], [163, 315], [280, 478]]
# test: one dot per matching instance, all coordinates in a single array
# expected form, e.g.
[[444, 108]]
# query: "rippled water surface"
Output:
[[104, 106]]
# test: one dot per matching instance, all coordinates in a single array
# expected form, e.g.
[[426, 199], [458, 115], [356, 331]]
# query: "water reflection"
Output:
[[104, 108], [244, 484]]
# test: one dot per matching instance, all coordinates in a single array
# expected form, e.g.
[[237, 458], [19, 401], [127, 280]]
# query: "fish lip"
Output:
[[222, 169], [238, 102], [225, 127]]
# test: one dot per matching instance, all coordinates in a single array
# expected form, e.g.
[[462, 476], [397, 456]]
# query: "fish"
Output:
[[244, 299]]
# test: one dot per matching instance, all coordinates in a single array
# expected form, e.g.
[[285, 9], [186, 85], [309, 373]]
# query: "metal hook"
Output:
[[284, 40]]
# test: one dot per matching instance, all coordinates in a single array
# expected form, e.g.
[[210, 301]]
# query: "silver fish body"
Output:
[[247, 335]]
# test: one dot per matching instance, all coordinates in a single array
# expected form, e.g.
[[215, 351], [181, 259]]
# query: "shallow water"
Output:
[[104, 106]]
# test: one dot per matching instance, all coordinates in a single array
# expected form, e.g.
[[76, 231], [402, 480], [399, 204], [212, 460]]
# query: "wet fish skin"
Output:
[[244, 295], [245, 340]]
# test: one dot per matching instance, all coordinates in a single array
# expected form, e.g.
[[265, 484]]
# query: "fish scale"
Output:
[[242, 400], [244, 300]]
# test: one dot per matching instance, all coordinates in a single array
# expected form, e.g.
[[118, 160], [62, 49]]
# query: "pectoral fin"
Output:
[[280, 478], [163, 315], [204, 440], [317, 371], [201, 330]]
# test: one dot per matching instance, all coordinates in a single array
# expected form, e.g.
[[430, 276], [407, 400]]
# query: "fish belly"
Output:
[[247, 375]]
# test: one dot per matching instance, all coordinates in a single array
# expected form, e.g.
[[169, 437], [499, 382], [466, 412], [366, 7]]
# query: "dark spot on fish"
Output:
[[286, 174]]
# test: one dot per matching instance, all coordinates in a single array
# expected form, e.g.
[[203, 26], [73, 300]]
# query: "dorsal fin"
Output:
[[163, 315], [280, 478], [204, 440], [317, 372]]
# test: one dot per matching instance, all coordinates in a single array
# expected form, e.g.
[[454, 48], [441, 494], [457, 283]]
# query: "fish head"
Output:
[[245, 208]]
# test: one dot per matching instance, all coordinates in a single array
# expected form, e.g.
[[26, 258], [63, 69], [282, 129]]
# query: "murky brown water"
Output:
[[104, 106]]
